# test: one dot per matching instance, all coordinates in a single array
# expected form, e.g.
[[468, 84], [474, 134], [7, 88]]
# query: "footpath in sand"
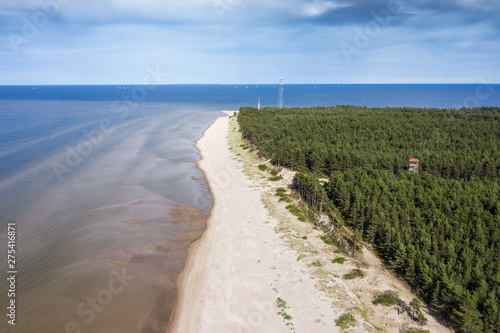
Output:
[[258, 269]]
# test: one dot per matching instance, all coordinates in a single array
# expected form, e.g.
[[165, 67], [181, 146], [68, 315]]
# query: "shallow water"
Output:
[[80, 263]]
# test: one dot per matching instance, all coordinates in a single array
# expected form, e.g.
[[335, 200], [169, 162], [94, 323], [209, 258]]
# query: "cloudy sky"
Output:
[[249, 41]]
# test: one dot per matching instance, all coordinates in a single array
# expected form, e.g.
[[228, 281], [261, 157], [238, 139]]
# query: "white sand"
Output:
[[243, 263]]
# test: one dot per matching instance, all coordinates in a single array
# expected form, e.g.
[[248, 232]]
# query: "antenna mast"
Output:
[[280, 96]]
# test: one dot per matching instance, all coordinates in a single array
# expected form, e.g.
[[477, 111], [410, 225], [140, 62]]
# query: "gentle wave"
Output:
[[43, 139], [72, 235]]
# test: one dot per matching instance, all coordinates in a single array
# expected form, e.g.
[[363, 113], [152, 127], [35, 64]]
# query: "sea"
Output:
[[101, 197]]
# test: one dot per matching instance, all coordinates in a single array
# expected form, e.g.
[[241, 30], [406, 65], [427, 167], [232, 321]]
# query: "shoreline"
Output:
[[240, 276], [257, 268], [194, 248]]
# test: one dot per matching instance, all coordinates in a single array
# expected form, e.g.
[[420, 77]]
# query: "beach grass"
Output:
[[387, 298], [345, 321], [353, 274], [338, 260]]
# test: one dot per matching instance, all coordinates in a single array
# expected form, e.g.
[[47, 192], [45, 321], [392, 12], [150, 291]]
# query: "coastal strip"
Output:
[[240, 274], [257, 268]]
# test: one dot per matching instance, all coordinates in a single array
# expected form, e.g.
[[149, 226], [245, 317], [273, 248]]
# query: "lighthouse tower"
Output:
[[280, 95], [258, 104]]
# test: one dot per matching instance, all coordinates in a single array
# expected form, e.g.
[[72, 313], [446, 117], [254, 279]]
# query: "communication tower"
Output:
[[280, 96]]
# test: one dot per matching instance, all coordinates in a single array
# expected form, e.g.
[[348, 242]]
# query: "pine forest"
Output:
[[439, 227]]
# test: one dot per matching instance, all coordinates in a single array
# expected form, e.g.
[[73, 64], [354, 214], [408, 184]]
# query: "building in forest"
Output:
[[413, 165]]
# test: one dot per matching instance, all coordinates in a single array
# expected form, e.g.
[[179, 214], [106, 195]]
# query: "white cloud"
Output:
[[108, 41], [217, 11], [115, 10], [318, 7]]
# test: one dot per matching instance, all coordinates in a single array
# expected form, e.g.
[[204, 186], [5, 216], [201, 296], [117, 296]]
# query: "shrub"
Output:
[[274, 172], [262, 167], [387, 298], [345, 321], [275, 178], [281, 303], [327, 239], [339, 260], [421, 318], [294, 209], [286, 199], [297, 212], [354, 274], [317, 263], [281, 192]]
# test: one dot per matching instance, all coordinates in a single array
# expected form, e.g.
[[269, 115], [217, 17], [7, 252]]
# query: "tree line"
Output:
[[439, 228]]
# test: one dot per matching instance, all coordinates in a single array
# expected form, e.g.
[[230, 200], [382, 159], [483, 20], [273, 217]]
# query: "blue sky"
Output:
[[249, 41]]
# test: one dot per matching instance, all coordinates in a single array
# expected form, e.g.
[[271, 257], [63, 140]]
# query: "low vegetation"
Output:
[[387, 298], [281, 192], [338, 260], [275, 172], [327, 239], [416, 330], [282, 306], [297, 212], [354, 274], [345, 321], [262, 167], [317, 263]]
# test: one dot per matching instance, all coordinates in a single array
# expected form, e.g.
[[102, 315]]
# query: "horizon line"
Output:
[[226, 84]]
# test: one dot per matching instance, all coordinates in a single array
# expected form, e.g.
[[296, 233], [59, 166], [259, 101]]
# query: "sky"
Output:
[[249, 41]]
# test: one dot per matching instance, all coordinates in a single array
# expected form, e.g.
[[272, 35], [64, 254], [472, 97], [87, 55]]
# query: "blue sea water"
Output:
[[234, 96], [91, 174]]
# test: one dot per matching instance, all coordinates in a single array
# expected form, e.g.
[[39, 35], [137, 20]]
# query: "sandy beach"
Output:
[[258, 269]]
